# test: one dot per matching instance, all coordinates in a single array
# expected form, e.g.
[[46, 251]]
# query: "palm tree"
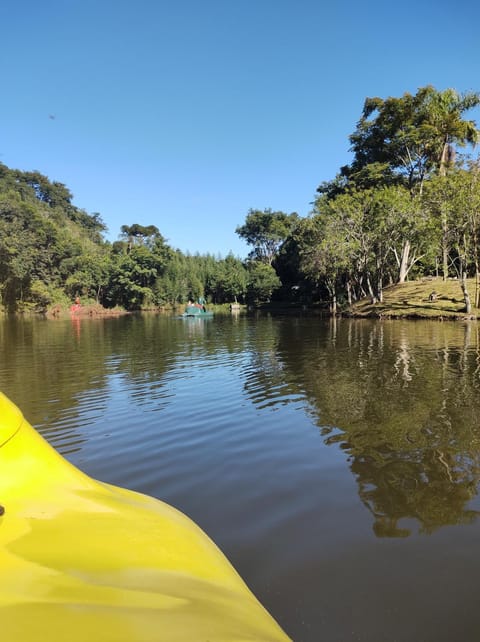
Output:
[[444, 114], [442, 122]]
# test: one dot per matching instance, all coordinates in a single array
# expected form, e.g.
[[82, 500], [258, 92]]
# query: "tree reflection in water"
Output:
[[401, 399], [429, 485]]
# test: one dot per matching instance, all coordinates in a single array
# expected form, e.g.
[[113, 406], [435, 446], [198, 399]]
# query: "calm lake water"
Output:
[[336, 463]]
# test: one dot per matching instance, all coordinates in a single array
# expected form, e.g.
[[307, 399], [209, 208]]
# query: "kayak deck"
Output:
[[86, 561]]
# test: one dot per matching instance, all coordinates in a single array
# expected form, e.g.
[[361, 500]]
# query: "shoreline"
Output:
[[428, 298]]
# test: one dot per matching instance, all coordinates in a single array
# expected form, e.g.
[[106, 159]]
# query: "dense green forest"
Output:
[[51, 252], [408, 205]]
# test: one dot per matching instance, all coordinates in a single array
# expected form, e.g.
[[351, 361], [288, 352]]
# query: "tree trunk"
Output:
[[402, 275], [466, 298], [442, 170], [349, 292], [380, 289], [476, 300], [477, 288], [445, 245], [370, 290], [361, 290]]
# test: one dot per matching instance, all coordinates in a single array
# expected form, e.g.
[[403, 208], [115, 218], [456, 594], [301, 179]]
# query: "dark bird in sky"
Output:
[[51, 116]]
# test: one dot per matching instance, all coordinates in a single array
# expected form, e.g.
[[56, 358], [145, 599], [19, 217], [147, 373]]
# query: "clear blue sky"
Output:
[[186, 113]]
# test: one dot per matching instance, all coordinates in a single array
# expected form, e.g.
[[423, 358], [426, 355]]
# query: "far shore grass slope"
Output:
[[427, 298]]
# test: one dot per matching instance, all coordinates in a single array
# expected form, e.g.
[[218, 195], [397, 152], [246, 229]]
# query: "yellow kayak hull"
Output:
[[83, 561]]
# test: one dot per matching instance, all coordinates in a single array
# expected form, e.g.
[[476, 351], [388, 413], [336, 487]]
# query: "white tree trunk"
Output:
[[403, 271]]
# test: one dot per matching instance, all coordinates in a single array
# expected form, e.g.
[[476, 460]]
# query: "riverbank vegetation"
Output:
[[406, 208]]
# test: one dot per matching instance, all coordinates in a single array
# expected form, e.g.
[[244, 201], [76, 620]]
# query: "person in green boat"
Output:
[[199, 304]]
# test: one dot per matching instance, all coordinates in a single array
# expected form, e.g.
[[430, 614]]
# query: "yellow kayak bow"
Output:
[[83, 561]]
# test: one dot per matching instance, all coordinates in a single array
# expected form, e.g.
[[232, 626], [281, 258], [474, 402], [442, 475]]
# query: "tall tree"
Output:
[[262, 281], [266, 231], [410, 136], [444, 114], [327, 249], [228, 282], [448, 129], [137, 234]]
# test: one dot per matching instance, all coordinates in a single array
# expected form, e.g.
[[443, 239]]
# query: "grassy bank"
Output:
[[414, 300]]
